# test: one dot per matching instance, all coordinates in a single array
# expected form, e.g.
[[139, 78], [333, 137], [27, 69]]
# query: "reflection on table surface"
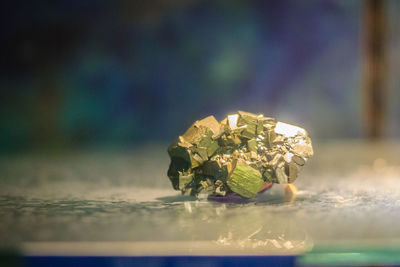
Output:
[[122, 203]]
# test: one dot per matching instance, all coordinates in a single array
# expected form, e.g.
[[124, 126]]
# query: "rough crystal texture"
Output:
[[237, 155]]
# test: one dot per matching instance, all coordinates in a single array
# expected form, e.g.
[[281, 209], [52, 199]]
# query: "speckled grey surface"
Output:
[[349, 192]]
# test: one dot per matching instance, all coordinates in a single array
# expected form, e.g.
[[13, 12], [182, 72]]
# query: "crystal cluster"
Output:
[[237, 155]]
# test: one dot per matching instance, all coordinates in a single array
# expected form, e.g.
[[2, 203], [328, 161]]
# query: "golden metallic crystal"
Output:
[[237, 155]]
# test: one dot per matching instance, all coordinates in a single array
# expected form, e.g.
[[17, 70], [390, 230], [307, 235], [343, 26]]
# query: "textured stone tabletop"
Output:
[[112, 202]]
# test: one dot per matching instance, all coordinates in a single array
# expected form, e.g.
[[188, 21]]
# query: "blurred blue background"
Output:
[[89, 74]]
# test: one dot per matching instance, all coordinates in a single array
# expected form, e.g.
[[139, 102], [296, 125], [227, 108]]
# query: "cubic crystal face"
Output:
[[237, 155]]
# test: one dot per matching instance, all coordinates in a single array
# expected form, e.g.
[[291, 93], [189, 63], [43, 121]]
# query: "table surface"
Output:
[[122, 203]]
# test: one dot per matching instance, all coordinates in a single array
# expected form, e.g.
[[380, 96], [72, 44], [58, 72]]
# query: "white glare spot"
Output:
[[233, 120], [288, 157], [288, 130]]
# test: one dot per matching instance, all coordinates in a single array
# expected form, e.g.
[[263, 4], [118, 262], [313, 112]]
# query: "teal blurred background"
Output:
[[94, 74]]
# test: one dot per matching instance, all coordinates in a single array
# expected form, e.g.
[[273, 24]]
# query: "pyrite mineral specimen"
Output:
[[237, 155]]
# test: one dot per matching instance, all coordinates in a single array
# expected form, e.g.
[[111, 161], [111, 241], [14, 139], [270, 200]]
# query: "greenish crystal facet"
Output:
[[245, 180]]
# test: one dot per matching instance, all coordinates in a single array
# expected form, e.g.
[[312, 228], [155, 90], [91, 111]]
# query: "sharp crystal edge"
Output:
[[237, 155]]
